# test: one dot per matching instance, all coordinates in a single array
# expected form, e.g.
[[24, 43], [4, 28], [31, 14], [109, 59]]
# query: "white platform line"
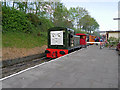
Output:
[[36, 66], [94, 42]]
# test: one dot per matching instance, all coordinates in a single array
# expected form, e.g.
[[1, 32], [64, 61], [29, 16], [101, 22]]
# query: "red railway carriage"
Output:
[[83, 42]]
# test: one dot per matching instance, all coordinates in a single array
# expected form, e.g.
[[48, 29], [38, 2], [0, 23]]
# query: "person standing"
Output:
[[101, 43]]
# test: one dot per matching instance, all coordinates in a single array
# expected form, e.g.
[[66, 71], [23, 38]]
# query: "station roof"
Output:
[[113, 31]]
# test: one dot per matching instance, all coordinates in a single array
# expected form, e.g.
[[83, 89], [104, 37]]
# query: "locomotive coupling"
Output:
[[46, 51]]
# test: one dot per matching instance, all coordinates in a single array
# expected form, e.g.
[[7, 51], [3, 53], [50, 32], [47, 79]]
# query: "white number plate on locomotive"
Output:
[[56, 37]]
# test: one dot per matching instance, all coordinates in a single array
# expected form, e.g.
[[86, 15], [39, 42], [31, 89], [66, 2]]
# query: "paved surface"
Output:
[[87, 68]]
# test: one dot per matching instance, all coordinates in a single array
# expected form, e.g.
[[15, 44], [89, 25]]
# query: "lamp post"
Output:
[[118, 22], [116, 18]]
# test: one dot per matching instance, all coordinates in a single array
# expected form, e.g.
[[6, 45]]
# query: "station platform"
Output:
[[86, 68]]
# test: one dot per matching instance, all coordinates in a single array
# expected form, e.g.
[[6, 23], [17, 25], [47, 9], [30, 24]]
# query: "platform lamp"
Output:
[[116, 19]]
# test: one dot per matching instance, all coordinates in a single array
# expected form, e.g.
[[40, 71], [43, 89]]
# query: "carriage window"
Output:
[[81, 37]]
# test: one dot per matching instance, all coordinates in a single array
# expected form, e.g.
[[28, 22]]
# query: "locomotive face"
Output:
[[56, 37]]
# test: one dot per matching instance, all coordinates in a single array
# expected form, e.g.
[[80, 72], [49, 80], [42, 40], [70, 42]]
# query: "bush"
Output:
[[45, 24], [41, 23], [34, 19], [113, 41], [15, 20], [119, 39]]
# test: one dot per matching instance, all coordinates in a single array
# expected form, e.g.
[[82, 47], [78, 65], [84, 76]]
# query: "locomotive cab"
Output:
[[83, 42]]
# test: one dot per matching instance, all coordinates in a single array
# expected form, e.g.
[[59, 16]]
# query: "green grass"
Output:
[[23, 40]]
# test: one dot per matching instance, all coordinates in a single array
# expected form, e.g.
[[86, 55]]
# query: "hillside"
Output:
[[23, 34]]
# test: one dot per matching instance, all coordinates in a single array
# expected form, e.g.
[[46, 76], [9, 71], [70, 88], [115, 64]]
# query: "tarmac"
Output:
[[86, 68]]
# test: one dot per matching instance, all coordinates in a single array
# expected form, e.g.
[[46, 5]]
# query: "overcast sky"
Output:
[[102, 10]]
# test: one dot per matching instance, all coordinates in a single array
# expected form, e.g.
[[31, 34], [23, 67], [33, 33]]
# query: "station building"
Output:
[[115, 34]]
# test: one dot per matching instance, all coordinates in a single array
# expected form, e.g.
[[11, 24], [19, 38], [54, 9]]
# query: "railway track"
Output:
[[9, 70], [15, 68]]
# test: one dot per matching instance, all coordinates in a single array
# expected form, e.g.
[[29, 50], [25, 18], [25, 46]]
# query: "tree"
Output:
[[5, 3], [89, 24], [22, 6], [61, 16], [25, 3], [13, 4], [72, 16], [76, 14], [30, 8], [58, 14]]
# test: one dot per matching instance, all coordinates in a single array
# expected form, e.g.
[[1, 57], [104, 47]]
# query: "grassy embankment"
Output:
[[21, 30], [23, 40]]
